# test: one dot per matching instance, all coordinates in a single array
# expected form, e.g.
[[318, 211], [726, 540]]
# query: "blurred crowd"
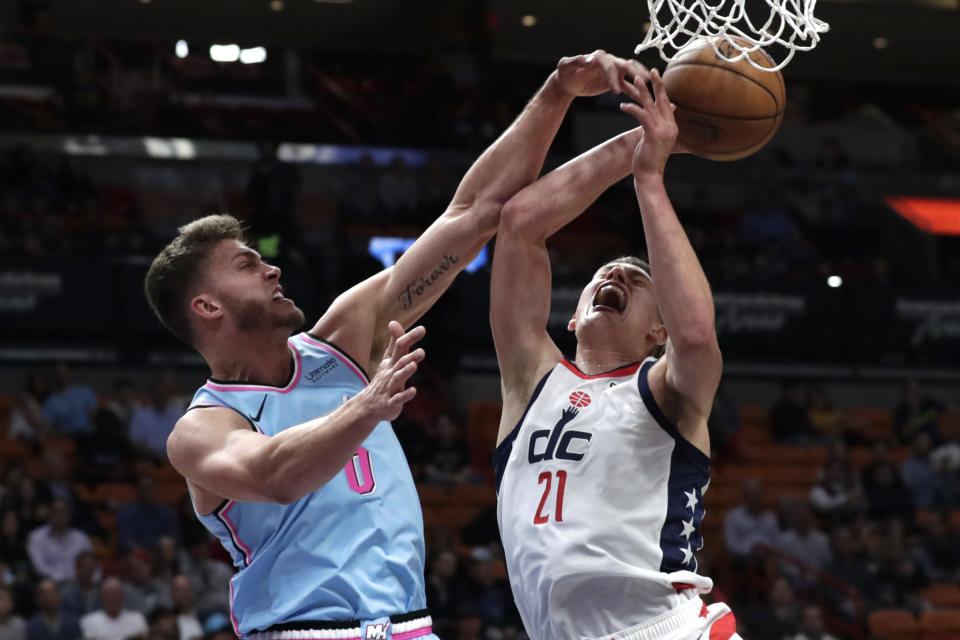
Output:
[[805, 223], [97, 536], [801, 221], [877, 527]]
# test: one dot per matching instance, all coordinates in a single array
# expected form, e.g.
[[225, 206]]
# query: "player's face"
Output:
[[249, 289], [620, 298]]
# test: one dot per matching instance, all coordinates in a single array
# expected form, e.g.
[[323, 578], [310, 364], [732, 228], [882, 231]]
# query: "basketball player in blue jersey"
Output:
[[287, 449], [602, 461]]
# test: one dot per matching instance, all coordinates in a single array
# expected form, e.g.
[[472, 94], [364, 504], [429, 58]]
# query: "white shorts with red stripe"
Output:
[[692, 620]]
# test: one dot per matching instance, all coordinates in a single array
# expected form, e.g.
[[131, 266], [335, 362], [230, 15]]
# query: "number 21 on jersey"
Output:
[[546, 479]]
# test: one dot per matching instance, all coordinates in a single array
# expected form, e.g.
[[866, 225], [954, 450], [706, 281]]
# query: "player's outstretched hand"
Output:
[[387, 392], [598, 72], [655, 115]]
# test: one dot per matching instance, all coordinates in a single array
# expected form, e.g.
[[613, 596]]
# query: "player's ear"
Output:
[[206, 306], [572, 325]]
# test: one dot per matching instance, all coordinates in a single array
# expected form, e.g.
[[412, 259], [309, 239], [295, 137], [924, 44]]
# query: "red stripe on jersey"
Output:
[[628, 370], [681, 586], [724, 628]]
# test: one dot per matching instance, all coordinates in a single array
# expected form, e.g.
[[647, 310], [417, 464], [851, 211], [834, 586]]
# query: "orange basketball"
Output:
[[725, 110]]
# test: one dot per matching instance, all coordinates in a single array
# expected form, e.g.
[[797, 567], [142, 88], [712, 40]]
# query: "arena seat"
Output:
[[433, 495], [893, 624], [473, 494], [943, 595], [940, 623]]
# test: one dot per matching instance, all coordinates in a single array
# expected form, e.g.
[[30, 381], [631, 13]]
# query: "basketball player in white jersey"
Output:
[[287, 449], [602, 461]]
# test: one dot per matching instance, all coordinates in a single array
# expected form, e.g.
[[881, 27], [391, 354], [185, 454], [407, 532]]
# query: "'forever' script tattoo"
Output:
[[418, 287]]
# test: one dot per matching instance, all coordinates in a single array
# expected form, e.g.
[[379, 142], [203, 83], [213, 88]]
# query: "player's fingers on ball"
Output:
[[614, 77], [643, 94], [631, 90], [659, 91], [637, 69]]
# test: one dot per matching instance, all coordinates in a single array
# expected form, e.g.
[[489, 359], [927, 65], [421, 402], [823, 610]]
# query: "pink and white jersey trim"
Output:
[[290, 386], [339, 355]]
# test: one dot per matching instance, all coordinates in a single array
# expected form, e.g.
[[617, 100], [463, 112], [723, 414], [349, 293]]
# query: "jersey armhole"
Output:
[[502, 452], [223, 406], [341, 352], [684, 446]]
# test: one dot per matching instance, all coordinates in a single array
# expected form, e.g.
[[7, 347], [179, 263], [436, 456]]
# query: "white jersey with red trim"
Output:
[[599, 505]]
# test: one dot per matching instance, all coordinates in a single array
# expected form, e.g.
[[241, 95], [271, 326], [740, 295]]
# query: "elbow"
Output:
[[487, 218], [515, 219], [479, 218], [697, 336], [287, 497], [281, 491]]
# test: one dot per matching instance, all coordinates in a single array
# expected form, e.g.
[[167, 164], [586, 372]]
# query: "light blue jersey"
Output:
[[353, 549]]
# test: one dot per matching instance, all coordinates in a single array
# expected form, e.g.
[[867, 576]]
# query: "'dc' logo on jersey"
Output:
[[580, 399]]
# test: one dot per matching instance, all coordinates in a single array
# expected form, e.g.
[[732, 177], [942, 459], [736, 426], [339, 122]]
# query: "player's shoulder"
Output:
[[209, 416]]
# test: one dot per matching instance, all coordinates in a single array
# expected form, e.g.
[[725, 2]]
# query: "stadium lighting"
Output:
[[254, 55], [182, 49], [834, 281], [528, 20], [224, 52]]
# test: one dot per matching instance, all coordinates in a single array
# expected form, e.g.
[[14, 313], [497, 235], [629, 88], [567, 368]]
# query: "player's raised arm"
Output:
[[521, 281], [693, 363], [357, 319], [215, 449]]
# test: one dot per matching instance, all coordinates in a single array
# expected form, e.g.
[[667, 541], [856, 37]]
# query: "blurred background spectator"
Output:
[[836, 495]]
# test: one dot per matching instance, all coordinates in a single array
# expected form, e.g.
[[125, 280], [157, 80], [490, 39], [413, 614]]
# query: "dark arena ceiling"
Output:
[[922, 37]]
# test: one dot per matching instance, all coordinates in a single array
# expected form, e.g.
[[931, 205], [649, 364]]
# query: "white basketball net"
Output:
[[790, 24]]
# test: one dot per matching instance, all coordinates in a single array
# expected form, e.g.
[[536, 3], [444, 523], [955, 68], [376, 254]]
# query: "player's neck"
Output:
[[595, 360], [262, 359]]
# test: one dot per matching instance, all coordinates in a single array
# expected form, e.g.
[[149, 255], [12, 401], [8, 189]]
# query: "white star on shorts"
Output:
[[687, 529], [687, 554], [691, 499]]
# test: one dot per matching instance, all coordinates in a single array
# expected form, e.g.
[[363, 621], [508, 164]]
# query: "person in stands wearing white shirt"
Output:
[[54, 547], [749, 524], [113, 622], [181, 594]]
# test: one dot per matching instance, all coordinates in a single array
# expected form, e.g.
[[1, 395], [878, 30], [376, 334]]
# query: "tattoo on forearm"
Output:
[[418, 287]]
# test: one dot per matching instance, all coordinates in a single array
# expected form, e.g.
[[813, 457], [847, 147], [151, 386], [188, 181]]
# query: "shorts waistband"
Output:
[[663, 624], [403, 626]]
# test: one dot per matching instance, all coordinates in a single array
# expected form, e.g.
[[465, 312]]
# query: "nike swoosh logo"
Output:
[[260, 412]]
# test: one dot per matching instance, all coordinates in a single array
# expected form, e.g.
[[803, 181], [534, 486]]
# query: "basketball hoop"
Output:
[[790, 23]]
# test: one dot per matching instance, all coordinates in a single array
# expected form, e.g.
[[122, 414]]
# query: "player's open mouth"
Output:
[[610, 297], [278, 295]]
